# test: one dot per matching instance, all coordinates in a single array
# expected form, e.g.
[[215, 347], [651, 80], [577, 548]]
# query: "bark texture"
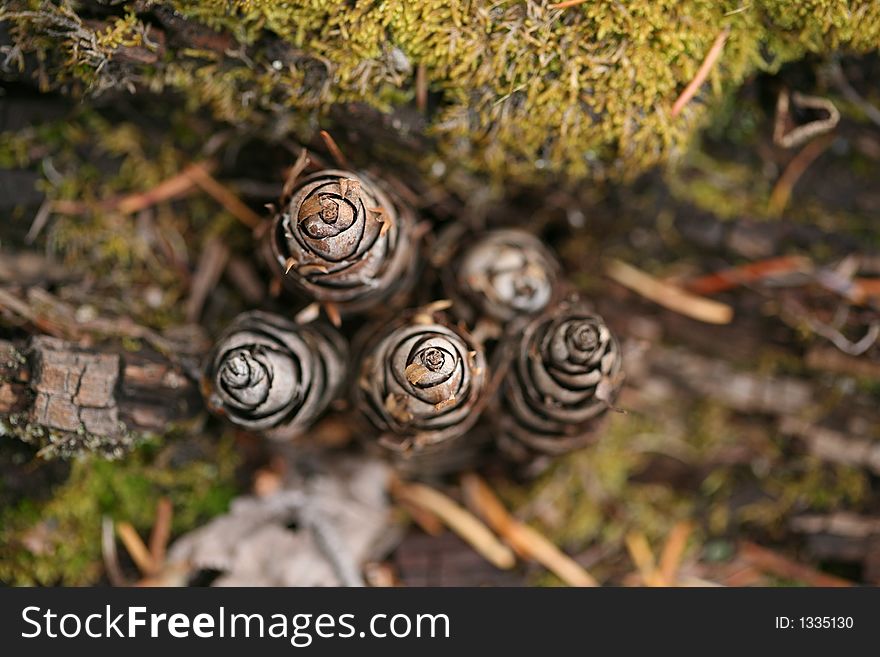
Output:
[[68, 399]]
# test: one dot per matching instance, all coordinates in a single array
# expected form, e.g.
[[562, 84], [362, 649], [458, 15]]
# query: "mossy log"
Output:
[[71, 400], [522, 91]]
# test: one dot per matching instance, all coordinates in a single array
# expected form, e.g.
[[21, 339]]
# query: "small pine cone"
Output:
[[505, 275], [342, 239], [270, 375], [565, 373], [422, 386]]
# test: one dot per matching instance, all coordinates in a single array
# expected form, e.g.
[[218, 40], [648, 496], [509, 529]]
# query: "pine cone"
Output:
[[270, 375], [565, 374], [343, 240], [505, 275], [422, 386]]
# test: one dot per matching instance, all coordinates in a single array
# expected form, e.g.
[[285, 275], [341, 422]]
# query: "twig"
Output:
[[161, 531], [781, 193], [673, 551], [833, 446], [179, 185], [335, 152], [567, 3], [527, 542], [800, 134], [429, 522], [108, 551], [774, 563], [669, 296], [422, 88], [459, 520], [212, 262], [843, 343], [832, 360], [702, 73], [136, 548], [40, 220], [294, 173], [853, 96], [643, 558], [865, 288], [201, 177], [752, 272], [23, 310], [172, 188]]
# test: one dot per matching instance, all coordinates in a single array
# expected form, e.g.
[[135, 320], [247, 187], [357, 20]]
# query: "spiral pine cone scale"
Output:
[[345, 240], [270, 375], [505, 275], [422, 386], [565, 375]]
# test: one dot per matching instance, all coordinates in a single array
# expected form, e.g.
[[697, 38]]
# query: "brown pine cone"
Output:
[[565, 373], [270, 375], [505, 275], [342, 239], [422, 385]]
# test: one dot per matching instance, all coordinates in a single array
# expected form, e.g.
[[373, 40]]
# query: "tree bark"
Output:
[[70, 400]]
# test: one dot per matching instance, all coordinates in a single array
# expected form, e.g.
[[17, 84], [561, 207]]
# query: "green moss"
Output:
[[587, 498], [524, 90], [95, 159], [59, 541]]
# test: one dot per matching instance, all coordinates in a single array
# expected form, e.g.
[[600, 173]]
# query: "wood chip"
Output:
[[526, 541], [462, 522], [668, 295]]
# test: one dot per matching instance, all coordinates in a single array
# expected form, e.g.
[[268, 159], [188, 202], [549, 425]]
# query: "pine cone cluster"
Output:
[[546, 366]]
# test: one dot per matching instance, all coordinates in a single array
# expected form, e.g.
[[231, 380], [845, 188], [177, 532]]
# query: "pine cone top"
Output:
[[566, 373], [422, 383], [505, 275], [268, 374], [342, 239]]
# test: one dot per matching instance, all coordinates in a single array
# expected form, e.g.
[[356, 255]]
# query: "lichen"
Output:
[[523, 90]]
